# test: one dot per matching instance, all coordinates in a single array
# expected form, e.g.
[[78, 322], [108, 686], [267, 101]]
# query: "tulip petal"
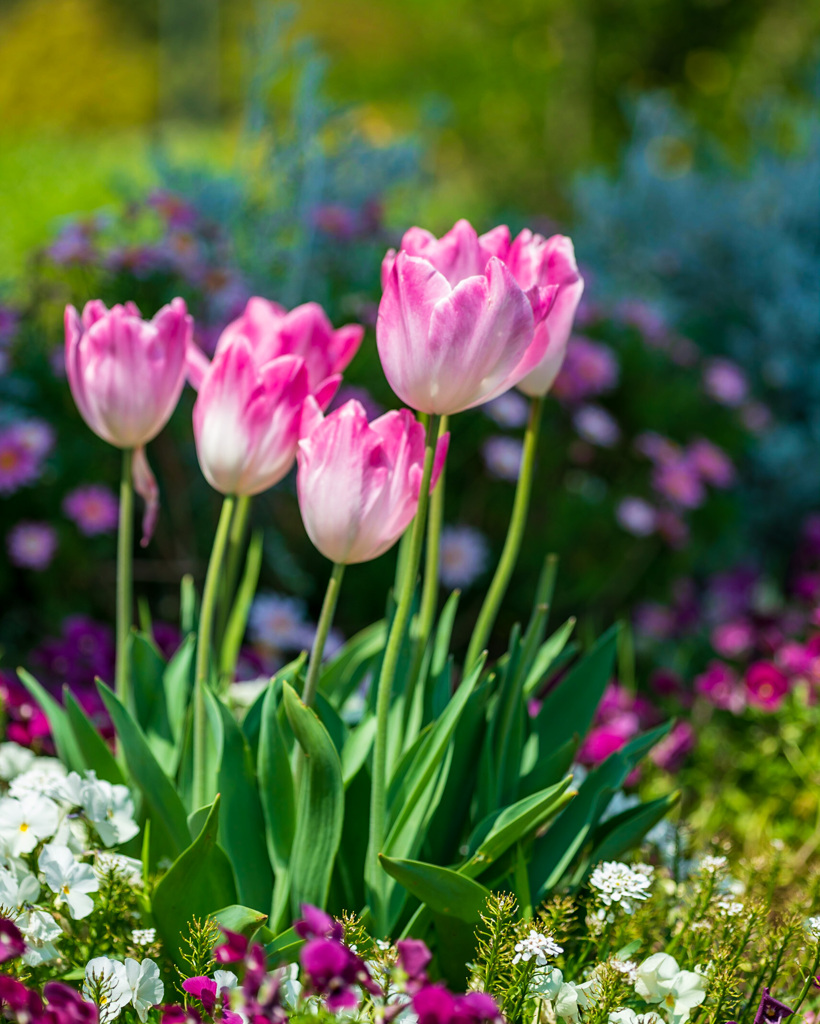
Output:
[[145, 484], [196, 365]]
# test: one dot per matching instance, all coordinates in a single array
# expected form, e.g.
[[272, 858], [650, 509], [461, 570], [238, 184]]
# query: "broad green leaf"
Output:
[[96, 752], [339, 677], [150, 708], [625, 831], [542, 600], [444, 632], [240, 919], [284, 948], [357, 748], [240, 610], [330, 719], [178, 683], [252, 722], [545, 771], [161, 798], [441, 888], [546, 655], [68, 750], [570, 707], [197, 884], [320, 806], [241, 822], [276, 782]]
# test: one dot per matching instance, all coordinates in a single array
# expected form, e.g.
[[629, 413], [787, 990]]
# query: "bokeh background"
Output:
[[222, 149]]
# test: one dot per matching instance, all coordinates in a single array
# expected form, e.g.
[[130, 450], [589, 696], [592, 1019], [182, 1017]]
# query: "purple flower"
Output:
[[673, 749], [73, 244], [433, 1004], [725, 382], [334, 972], [36, 435], [636, 516], [712, 463], [18, 463], [648, 319], [93, 508], [655, 620], [32, 545], [463, 555], [589, 369], [233, 949], [656, 447], [502, 457], [277, 621], [25, 722], [316, 924], [672, 528], [12, 943], [719, 685], [203, 989], [508, 410], [175, 1014], [67, 1006], [413, 958], [595, 425], [26, 1003], [679, 482], [733, 639], [766, 685]]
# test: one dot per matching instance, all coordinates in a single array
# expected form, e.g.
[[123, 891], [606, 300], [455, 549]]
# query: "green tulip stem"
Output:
[[203, 648], [323, 628], [125, 596], [378, 797], [512, 544], [233, 565]]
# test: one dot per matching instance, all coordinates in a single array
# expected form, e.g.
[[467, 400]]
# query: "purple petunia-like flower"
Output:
[[725, 382], [334, 972], [679, 482], [636, 516], [502, 457], [463, 555], [32, 545], [18, 464], [590, 368], [93, 507]]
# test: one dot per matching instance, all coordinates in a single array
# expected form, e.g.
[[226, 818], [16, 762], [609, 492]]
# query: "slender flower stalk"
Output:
[[323, 628], [512, 544], [378, 799], [203, 647], [809, 982], [125, 597], [233, 562]]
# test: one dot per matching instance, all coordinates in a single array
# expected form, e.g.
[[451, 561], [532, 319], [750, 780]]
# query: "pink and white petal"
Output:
[[196, 365], [145, 484], [326, 391], [496, 242], [346, 342]]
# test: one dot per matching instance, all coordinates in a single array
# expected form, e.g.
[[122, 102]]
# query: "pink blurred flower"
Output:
[[766, 685], [733, 639], [606, 739], [796, 659], [126, 374], [671, 753], [719, 684], [502, 457], [455, 329], [636, 516], [656, 447], [712, 463], [597, 426], [679, 482], [725, 382], [590, 368], [672, 528], [32, 545], [358, 482], [93, 508]]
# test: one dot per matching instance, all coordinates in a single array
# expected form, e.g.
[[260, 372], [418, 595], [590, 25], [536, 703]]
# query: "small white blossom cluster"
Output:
[[626, 967], [541, 947], [730, 908], [615, 882], [49, 819], [713, 865], [112, 985], [813, 928], [143, 936]]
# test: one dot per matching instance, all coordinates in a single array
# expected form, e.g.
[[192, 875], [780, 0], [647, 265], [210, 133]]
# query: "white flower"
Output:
[[813, 928], [38, 779], [143, 936], [627, 1016], [40, 931], [547, 984], [536, 945], [110, 809], [70, 879], [619, 883], [729, 908], [679, 992], [626, 967], [572, 999], [144, 984], [712, 865], [18, 887], [106, 984], [225, 980], [24, 823], [130, 867], [14, 760]]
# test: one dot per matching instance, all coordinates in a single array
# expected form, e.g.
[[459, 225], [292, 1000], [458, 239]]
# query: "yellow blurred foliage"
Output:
[[67, 64]]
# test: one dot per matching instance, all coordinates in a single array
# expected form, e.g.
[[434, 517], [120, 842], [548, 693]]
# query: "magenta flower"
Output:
[[126, 374], [766, 686], [733, 639], [316, 924], [32, 545], [502, 457], [67, 1006], [334, 972], [590, 368], [719, 684], [463, 555], [455, 329], [19, 465], [358, 482], [603, 740], [679, 482], [433, 1004], [725, 382], [233, 949], [203, 989], [636, 516], [12, 943], [413, 958], [93, 508], [672, 751], [712, 464]]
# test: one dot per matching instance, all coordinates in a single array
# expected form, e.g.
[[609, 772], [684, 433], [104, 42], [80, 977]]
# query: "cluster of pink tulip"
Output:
[[462, 319]]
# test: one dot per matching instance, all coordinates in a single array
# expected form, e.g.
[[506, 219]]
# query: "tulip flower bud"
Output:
[[455, 328], [246, 418], [126, 374], [358, 483]]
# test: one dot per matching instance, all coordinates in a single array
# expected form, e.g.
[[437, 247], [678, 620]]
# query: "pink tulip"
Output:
[[272, 331], [358, 483], [246, 418], [126, 374]]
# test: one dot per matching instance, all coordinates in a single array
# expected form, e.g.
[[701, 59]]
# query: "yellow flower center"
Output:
[[24, 826]]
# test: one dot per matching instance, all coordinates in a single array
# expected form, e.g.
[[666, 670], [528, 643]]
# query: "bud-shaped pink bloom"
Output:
[[272, 331], [126, 374], [358, 482], [246, 418]]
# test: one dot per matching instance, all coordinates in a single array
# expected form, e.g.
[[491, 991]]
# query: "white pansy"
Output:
[[110, 809], [536, 945], [618, 883], [225, 979], [106, 984], [23, 823], [71, 880], [572, 999], [627, 1016], [18, 887], [678, 992], [38, 779], [14, 760], [291, 987], [813, 928], [130, 867], [144, 984], [40, 931], [547, 984]]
